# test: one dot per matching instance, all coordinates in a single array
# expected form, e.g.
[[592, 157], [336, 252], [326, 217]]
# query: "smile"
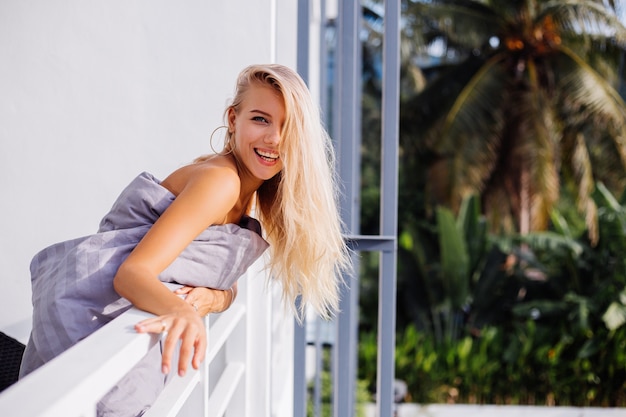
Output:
[[267, 155]]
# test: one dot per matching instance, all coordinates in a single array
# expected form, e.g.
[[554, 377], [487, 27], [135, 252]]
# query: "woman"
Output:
[[193, 231]]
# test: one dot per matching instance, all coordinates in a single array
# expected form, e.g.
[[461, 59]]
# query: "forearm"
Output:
[[146, 292]]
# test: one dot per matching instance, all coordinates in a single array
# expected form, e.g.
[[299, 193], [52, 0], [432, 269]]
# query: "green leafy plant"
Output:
[[538, 318], [362, 395]]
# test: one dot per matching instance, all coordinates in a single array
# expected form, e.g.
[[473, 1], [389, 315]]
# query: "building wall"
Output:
[[94, 92]]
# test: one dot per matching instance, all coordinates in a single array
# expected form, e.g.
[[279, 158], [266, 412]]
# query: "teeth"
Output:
[[268, 155]]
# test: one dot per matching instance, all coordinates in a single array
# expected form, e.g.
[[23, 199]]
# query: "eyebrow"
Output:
[[261, 112]]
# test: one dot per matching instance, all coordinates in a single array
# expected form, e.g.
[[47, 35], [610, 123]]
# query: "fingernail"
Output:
[[181, 373], [165, 369]]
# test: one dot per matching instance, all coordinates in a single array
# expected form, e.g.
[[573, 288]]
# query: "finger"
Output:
[[184, 290], [153, 325], [191, 297], [199, 352], [169, 345], [193, 301], [186, 349]]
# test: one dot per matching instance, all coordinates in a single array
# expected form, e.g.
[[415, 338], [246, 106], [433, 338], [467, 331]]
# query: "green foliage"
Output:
[[533, 319], [447, 258], [527, 364], [542, 318], [362, 395]]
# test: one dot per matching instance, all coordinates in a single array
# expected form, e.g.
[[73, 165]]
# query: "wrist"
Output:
[[231, 296], [185, 308]]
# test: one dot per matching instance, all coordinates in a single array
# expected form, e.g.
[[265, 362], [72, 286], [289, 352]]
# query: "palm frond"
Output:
[[583, 169], [607, 150], [463, 23], [474, 106], [472, 130], [578, 167], [544, 160], [550, 242], [589, 92], [597, 114], [500, 208], [584, 18], [421, 113]]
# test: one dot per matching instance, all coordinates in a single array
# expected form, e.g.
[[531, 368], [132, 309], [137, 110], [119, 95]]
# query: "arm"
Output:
[[206, 198]]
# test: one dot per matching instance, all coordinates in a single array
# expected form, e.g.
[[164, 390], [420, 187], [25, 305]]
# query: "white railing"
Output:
[[245, 373]]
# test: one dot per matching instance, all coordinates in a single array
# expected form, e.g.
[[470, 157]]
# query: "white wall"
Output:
[[94, 92]]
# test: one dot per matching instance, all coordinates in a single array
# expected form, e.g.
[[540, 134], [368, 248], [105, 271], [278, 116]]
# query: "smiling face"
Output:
[[256, 126]]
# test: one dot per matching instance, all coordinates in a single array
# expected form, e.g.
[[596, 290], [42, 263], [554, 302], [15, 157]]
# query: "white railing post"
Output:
[[257, 349]]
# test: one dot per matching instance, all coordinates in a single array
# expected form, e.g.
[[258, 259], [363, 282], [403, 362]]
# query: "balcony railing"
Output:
[[241, 375]]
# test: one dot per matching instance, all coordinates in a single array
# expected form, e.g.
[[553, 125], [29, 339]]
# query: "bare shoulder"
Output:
[[218, 171], [206, 192]]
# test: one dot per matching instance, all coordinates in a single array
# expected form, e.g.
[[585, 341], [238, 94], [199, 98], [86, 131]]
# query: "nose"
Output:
[[273, 137]]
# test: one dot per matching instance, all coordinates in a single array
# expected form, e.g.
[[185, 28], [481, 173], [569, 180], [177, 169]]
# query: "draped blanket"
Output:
[[72, 281]]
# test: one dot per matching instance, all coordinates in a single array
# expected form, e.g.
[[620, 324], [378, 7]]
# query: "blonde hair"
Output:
[[298, 207]]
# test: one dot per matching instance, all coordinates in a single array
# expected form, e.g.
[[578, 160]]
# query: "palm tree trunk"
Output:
[[524, 218]]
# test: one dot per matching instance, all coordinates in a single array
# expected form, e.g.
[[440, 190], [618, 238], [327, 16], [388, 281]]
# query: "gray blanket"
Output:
[[72, 281]]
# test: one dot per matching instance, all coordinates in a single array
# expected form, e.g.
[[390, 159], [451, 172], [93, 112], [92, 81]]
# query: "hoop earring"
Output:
[[211, 142]]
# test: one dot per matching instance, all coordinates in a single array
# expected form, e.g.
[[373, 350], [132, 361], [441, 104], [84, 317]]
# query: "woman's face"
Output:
[[256, 129]]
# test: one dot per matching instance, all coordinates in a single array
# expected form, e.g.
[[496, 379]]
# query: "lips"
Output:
[[269, 156]]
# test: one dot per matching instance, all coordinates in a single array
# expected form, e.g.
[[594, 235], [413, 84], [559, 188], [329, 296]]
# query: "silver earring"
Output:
[[222, 153]]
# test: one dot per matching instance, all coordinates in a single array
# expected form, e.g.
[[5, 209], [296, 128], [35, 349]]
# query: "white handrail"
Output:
[[245, 372], [73, 383]]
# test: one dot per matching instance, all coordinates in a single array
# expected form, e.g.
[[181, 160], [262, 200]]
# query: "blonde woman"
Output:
[[193, 232]]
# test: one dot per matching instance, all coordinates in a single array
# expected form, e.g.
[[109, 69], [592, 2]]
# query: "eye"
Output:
[[260, 119]]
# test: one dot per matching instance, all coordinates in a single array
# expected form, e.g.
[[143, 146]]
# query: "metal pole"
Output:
[[347, 95], [299, 332], [389, 209]]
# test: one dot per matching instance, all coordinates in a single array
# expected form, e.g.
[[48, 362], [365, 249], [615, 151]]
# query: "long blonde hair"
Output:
[[298, 207]]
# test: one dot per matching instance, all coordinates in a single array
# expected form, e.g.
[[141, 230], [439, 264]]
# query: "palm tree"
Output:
[[528, 108]]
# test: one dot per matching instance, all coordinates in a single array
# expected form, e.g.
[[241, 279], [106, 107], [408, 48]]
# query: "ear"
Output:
[[232, 115]]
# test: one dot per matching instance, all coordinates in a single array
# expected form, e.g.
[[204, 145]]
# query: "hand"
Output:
[[185, 325], [208, 300]]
